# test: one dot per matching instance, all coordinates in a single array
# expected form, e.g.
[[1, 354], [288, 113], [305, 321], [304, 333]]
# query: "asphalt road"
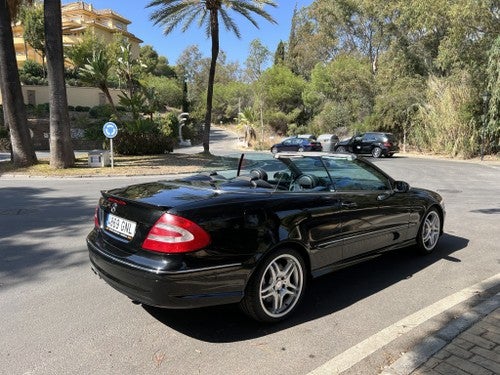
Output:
[[57, 317]]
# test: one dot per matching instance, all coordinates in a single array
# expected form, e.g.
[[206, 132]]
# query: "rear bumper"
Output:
[[153, 285], [392, 150]]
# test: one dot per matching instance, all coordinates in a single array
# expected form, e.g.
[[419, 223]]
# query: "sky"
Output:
[[172, 45]]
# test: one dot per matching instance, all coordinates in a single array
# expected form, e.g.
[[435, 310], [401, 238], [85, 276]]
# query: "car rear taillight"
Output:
[[387, 144], [96, 217], [175, 234]]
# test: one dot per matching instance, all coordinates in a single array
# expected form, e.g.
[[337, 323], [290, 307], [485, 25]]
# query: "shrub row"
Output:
[[128, 143]]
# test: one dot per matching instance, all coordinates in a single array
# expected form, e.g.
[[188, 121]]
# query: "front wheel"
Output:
[[276, 288], [429, 232], [340, 149]]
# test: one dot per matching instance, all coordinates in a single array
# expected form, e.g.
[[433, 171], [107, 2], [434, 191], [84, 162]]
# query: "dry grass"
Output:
[[125, 166]]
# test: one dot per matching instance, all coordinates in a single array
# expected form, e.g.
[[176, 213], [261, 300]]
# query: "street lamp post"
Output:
[[486, 99]]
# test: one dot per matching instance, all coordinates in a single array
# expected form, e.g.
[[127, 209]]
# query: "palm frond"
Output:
[[229, 23], [191, 16], [245, 9], [172, 13]]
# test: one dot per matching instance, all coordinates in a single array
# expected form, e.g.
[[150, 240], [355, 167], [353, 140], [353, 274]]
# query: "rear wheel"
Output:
[[429, 232], [276, 288], [274, 150], [376, 152], [301, 149]]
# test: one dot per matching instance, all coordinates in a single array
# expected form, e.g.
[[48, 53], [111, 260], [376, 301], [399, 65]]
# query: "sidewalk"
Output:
[[469, 345]]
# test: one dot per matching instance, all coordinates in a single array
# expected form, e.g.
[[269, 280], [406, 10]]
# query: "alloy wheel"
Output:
[[431, 229], [376, 152], [281, 285]]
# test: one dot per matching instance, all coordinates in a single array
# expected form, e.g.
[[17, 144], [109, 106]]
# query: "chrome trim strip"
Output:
[[157, 271], [401, 227]]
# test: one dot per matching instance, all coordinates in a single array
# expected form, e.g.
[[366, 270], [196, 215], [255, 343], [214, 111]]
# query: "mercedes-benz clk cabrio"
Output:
[[255, 234]]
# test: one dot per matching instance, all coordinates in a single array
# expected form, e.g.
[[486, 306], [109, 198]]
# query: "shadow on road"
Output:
[[324, 296], [31, 224]]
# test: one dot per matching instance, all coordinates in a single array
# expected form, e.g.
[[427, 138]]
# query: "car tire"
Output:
[[274, 150], [429, 232], [276, 288], [340, 149], [301, 149], [376, 152]]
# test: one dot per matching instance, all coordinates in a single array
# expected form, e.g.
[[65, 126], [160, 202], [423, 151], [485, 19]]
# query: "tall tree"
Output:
[[61, 149], [258, 55], [310, 42], [33, 28], [83, 51], [279, 55], [170, 13], [23, 152]]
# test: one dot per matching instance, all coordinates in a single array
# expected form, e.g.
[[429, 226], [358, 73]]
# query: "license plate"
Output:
[[121, 226]]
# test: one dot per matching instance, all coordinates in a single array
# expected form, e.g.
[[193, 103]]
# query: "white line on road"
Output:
[[358, 352]]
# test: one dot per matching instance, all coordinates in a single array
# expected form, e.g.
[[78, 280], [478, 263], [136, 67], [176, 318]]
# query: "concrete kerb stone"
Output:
[[427, 348]]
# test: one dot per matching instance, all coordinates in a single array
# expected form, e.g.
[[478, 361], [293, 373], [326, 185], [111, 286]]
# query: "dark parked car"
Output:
[[376, 144], [255, 235], [299, 144]]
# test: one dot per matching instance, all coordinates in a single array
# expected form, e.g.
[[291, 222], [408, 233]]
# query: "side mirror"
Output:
[[401, 187]]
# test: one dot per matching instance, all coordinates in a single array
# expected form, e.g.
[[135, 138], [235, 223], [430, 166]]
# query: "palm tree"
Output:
[[171, 13], [61, 149], [23, 152], [97, 73]]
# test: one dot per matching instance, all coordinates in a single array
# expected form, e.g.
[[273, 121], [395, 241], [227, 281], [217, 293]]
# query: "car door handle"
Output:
[[381, 197], [348, 205]]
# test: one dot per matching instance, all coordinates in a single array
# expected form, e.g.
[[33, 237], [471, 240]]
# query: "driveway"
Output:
[[59, 318]]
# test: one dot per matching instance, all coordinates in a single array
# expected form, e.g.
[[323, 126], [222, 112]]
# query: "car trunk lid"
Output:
[[126, 215]]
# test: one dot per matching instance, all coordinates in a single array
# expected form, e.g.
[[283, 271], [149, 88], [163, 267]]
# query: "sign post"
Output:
[[110, 130]]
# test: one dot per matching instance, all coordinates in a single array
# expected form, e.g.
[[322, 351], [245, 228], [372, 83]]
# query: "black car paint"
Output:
[[364, 143], [325, 227]]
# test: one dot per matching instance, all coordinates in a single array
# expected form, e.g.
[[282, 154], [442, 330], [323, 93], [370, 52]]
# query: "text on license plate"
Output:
[[120, 226]]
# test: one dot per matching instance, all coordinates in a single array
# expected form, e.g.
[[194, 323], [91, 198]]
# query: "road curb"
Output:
[[410, 361]]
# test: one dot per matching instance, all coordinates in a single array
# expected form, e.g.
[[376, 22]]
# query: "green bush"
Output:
[[152, 143], [80, 108], [39, 110], [4, 140], [101, 111], [169, 124], [32, 68], [94, 132], [28, 79]]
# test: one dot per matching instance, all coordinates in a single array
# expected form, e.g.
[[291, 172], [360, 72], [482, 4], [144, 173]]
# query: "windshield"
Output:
[[306, 172]]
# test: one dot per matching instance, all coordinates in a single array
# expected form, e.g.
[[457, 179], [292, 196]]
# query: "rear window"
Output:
[[389, 137]]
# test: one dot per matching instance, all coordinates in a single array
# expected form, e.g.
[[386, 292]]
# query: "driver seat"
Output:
[[308, 181]]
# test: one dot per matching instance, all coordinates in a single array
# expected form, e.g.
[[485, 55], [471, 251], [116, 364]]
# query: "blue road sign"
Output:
[[110, 129]]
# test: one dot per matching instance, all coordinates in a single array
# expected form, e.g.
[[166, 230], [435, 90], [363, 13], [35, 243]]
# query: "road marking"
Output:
[[358, 352]]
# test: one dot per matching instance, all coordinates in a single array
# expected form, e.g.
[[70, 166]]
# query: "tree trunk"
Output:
[[214, 31], [23, 152], [61, 149]]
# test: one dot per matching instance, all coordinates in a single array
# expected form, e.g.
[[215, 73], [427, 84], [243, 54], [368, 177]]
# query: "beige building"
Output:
[[78, 17], [82, 96]]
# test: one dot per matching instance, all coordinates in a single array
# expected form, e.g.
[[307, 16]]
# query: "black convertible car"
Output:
[[255, 234]]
